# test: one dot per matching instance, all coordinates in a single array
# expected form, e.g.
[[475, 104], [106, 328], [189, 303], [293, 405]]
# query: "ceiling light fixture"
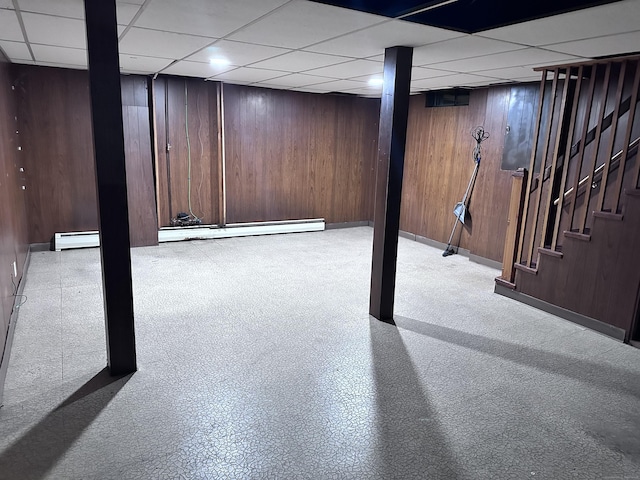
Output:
[[219, 62], [376, 82]]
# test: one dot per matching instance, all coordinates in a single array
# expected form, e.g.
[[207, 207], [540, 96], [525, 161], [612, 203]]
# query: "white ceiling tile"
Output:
[[617, 17], [450, 81], [6, 4], [300, 61], [418, 73], [15, 50], [341, 85], [139, 63], [212, 18], [596, 47], [512, 73], [354, 68], [57, 31], [302, 23], [249, 75], [374, 40], [61, 65], [310, 90], [459, 48], [271, 86], [62, 55], [367, 92], [297, 80], [153, 43], [74, 9], [525, 56], [195, 69], [125, 12], [238, 53], [60, 8], [9, 26]]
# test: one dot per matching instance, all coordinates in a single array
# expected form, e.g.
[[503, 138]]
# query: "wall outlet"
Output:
[[15, 269]]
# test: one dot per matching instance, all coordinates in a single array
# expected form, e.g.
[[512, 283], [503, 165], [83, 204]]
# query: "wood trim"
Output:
[[554, 162], [532, 163], [550, 253], [581, 149], [592, 323], [501, 281], [608, 215], [627, 140], [154, 127], [612, 139], [567, 159], [525, 269], [514, 224], [222, 171], [543, 166], [603, 105], [577, 236]]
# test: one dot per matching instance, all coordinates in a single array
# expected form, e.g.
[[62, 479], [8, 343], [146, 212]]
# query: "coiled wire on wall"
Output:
[[186, 127]]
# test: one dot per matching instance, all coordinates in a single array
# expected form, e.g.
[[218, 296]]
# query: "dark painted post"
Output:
[[111, 181], [394, 112]]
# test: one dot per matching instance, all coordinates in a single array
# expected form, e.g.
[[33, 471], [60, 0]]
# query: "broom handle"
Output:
[[473, 176]]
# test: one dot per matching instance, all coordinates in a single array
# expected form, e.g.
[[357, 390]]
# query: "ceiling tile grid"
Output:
[[299, 44], [301, 24]]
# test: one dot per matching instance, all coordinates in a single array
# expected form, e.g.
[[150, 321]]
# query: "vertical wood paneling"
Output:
[[13, 219], [140, 183], [293, 155], [55, 125], [173, 162], [54, 117], [439, 164]]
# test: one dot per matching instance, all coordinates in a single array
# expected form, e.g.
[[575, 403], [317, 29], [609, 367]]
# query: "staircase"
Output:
[[574, 219]]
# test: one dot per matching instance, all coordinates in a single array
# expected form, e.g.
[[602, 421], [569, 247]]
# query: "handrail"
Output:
[[615, 161]]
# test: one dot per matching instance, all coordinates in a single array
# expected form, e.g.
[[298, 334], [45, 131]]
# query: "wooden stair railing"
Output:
[[568, 149]]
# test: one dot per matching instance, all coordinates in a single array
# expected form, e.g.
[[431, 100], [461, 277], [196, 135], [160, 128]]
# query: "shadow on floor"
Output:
[[604, 376], [38, 450], [408, 428]]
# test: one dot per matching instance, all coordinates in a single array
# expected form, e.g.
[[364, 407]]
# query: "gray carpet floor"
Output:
[[258, 359]]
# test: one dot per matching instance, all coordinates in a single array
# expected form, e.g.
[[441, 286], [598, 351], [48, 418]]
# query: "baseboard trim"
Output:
[[40, 247], [409, 235], [13, 319], [487, 262], [583, 320], [63, 241], [333, 226]]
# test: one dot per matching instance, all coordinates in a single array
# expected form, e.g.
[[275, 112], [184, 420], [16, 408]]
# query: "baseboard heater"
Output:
[[63, 241]]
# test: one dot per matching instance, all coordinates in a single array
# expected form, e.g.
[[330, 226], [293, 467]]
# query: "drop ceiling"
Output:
[[310, 46]]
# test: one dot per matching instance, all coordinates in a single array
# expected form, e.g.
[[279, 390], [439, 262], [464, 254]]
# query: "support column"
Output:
[[394, 112], [111, 182]]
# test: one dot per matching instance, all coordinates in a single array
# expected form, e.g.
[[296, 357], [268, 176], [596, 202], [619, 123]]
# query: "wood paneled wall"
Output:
[[173, 148], [13, 219], [438, 167], [141, 193], [55, 124], [293, 155]]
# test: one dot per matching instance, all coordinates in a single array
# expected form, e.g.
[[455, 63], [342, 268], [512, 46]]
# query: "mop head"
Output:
[[449, 251]]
